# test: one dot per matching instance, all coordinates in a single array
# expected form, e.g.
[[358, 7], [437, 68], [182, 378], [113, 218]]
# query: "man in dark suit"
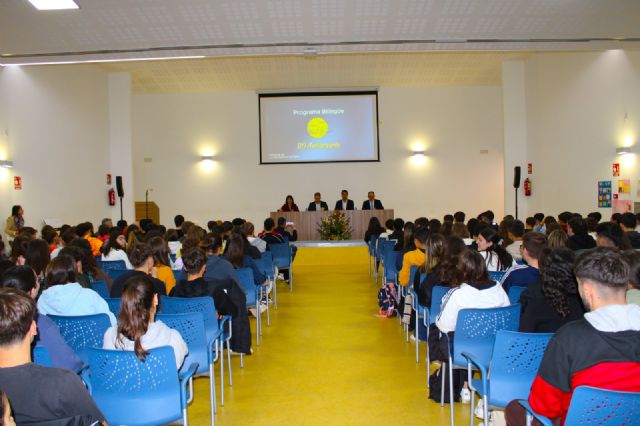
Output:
[[344, 203], [317, 204], [371, 203]]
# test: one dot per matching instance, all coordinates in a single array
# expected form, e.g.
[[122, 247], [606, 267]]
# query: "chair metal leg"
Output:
[[258, 331], [451, 402], [221, 355], [185, 418], [241, 360], [229, 361], [485, 405], [290, 275], [442, 369], [417, 341], [190, 399], [471, 404], [212, 393], [275, 294]]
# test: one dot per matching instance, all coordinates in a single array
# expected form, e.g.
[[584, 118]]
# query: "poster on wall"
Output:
[[604, 193], [17, 183], [622, 206], [616, 169], [624, 186]]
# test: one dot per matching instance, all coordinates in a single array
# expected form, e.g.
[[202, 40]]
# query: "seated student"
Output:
[[114, 248], [137, 329], [398, 234], [524, 275], [161, 262], [529, 224], [51, 236], [5, 410], [516, 234], [65, 297], [249, 232], [90, 270], [609, 234], [269, 235], [540, 225], [599, 350], [628, 224], [235, 255], [228, 297], [62, 356], [579, 238], [633, 291], [472, 289], [496, 257], [374, 229], [557, 239], [142, 260], [415, 257], [37, 394], [85, 230], [173, 241], [442, 256], [287, 231], [553, 300]]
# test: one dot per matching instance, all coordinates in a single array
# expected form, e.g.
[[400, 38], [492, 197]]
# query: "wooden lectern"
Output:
[[154, 211]]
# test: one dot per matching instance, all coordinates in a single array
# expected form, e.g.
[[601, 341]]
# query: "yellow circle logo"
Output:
[[317, 127]]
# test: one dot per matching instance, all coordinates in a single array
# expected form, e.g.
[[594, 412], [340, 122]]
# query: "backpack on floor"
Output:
[[435, 384], [388, 300]]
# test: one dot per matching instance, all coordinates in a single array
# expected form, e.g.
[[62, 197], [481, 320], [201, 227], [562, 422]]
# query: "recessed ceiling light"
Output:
[[54, 4]]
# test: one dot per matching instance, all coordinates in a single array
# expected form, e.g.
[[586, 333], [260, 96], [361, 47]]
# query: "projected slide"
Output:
[[318, 127]]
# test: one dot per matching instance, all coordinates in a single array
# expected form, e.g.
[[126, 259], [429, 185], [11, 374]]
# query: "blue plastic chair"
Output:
[[497, 275], [475, 334], [191, 328], [437, 294], [135, 393], [114, 274], [282, 259], [253, 294], [83, 332], [107, 265], [213, 328], [101, 288], [514, 294], [514, 364], [177, 274], [371, 245], [265, 265], [595, 406], [41, 356], [114, 305]]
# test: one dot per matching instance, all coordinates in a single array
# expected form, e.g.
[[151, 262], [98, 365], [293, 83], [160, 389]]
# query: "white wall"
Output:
[[453, 124], [54, 126], [576, 103]]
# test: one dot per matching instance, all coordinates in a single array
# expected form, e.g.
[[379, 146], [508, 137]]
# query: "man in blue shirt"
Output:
[[533, 244]]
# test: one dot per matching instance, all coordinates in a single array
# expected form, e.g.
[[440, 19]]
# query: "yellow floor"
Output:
[[327, 359]]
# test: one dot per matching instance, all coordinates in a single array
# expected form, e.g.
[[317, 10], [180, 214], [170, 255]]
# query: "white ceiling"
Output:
[[158, 28]]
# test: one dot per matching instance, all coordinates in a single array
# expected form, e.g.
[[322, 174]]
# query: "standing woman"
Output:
[[289, 205], [15, 222]]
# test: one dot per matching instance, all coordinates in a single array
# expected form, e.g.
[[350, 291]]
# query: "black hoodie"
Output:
[[581, 242], [634, 239]]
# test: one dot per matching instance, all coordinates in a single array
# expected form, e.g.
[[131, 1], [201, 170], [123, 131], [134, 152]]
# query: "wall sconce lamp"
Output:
[[6, 164], [624, 150], [418, 154], [206, 158]]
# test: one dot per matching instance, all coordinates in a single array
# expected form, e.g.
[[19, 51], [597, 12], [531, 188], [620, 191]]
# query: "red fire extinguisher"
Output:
[[527, 187], [112, 197]]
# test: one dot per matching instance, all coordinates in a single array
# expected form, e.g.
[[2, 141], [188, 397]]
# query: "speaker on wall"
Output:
[[516, 177], [119, 187]]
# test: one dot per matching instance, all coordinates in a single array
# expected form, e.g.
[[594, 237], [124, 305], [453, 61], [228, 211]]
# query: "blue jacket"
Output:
[[218, 268]]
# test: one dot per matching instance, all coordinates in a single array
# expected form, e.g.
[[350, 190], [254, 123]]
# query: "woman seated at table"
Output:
[[289, 205]]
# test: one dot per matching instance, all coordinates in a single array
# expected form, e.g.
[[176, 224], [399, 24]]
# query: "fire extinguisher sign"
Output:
[[17, 183]]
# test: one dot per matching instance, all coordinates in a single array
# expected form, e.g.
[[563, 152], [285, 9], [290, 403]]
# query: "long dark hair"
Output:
[[287, 199], [235, 250], [473, 269], [374, 226], [38, 255], [160, 250], [15, 210], [495, 249], [61, 270], [453, 249], [112, 243], [558, 280], [434, 252], [135, 312]]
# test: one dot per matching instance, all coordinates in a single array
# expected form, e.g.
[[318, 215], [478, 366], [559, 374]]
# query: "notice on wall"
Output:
[[624, 186], [604, 194], [616, 169], [17, 183], [622, 206]]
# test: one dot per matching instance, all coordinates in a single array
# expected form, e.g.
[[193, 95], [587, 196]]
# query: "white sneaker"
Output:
[[479, 411], [465, 396], [412, 337], [281, 277]]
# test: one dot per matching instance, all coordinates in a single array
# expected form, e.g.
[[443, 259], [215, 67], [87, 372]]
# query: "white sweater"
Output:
[[468, 297], [158, 334], [116, 254]]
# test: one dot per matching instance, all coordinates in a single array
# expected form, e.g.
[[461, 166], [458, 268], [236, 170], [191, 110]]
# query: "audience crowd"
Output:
[[581, 280]]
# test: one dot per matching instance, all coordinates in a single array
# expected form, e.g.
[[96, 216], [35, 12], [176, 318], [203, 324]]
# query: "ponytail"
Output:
[[504, 258], [136, 311]]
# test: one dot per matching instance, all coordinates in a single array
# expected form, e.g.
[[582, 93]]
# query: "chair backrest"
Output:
[[101, 288], [114, 305], [107, 265], [82, 332], [203, 305], [514, 364], [281, 254], [246, 282], [476, 331], [178, 274], [603, 407], [41, 356], [191, 328], [373, 241], [496, 275], [514, 294], [265, 265], [114, 274], [132, 392], [390, 269], [437, 294], [387, 246]]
